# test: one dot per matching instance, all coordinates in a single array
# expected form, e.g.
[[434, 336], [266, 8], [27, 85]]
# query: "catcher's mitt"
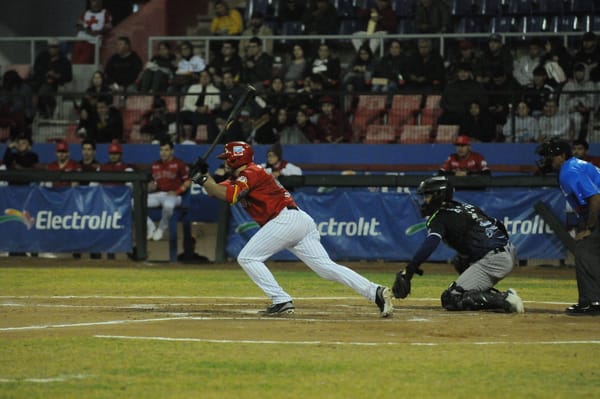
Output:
[[401, 286]]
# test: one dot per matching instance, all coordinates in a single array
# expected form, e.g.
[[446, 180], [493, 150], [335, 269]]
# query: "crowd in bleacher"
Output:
[[365, 89]]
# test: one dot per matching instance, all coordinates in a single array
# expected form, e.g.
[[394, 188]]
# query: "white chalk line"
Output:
[[59, 378], [341, 343]]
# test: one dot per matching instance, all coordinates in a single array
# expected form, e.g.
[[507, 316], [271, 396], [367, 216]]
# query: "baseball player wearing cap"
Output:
[[580, 183], [283, 226], [169, 181], [64, 164], [484, 254], [464, 161], [115, 163]]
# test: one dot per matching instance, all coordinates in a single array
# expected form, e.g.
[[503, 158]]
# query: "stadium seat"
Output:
[[521, 7], [552, 7], [415, 134], [71, 135], [404, 109], [446, 133], [345, 8], [406, 26], [370, 109], [583, 6], [565, 23], [171, 102], [130, 118], [142, 103], [493, 7], [201, 134], [380, 134], [460, 8], [135, 136], [533, 23], [471, 24], [432, 110], [404, 8], [593, 23], [291, 28], [502, 24], [348, 26]]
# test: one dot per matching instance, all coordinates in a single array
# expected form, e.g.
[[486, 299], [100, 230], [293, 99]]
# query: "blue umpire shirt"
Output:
[[579, 180]]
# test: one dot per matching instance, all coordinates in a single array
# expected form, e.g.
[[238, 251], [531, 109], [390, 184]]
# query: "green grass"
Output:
[[113, 368]]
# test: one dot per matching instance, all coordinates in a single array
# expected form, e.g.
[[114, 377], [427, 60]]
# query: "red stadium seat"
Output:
[[432, 110], [140, 103], [405, 109], [446, 133], [370, 109], [380, 134], [416, 134]]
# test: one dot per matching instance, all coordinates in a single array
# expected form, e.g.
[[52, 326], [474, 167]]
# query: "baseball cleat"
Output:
[[383, 299], [278, 309], [593, 309], [515, 303]]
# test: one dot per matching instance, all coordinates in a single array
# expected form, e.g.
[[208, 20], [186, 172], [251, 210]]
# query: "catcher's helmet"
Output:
[[441, 190], [550, 148], [237, 153]]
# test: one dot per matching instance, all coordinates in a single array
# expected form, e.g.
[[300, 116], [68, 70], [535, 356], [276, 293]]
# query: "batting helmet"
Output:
[[440, 189], [550, 148], [237, 153]]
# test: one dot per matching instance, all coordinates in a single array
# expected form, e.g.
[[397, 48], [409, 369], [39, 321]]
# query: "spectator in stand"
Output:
[[189, 66], [257, 28], [577, 99], [391, 72], [380, 19], [305, 127], [16, 104], [231, 91], [226, 61], [277, 166], [93, 24], [359, 74], [580, 150], [159, 70], [321, 18], [51, 70], [308, 97], [158, 123], [467, 54], [105, 125], [426, 69], [589, 52], [464, 162], [525, 129], [295, 69], [539, 92], [292, 134], [98, 88], [524, 65], [275, 96], [291, 10], [63, 163], [257, 67], [18, 156], [497, 55], [201, 103], [556, 53], [555, 123], [503, 91], [169, 182], [459, 95], [227, 21], [327, 65], [478, 124], [123, 67], [332, 124], [433, 16]]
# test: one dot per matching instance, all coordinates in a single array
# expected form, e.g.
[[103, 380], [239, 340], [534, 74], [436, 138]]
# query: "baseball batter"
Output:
[[580, 183], [484, 254], [283, 226]]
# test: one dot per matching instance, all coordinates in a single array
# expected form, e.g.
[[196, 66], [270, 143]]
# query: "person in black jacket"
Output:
[[51, 69], [18, 156], [124, 67]]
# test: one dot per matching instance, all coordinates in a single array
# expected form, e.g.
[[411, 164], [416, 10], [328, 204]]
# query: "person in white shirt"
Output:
[[526, 127], [524, 65], [277, 166], [577, 99]]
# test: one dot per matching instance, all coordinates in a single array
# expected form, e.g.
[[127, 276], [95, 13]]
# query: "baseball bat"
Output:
[[248, 94]]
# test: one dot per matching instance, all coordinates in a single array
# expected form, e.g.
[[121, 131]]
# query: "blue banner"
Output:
[[78, 219], [362, 225]]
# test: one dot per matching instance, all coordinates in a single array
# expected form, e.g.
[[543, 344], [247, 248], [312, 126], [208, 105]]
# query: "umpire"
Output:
[[580, 183], [484, 254]]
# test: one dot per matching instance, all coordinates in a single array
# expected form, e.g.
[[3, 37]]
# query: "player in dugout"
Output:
[[484, 253], [283, 226]]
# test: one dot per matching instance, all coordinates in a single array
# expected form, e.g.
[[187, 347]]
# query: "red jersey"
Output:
[[170, 175], [69, 166], [472, 163], [259, 193], [115, 167]]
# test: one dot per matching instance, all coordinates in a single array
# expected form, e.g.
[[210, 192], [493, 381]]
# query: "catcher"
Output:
[[484, 254]]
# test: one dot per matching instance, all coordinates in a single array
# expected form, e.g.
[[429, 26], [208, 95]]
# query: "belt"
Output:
[[294, 208]]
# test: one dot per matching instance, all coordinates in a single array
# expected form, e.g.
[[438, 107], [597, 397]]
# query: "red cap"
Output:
[[61, 146], [115, 148], [462, 140]]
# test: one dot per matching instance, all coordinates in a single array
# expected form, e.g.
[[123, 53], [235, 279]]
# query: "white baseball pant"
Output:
[[167, 202]]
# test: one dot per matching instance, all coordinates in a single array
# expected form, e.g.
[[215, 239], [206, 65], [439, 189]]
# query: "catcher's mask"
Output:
[[237, 153], [550, 148], [440, 189]]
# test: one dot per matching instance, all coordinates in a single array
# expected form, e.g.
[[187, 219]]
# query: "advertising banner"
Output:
[[78, 219], [363, 225]]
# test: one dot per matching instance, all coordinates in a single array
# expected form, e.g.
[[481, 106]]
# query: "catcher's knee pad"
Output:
[[456, 298]]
